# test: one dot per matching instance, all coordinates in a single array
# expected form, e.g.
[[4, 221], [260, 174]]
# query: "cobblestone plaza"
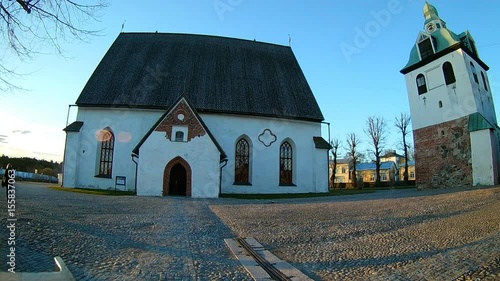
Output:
[[449, 234]]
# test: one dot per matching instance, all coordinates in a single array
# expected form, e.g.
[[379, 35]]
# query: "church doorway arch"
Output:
[[177, 178]]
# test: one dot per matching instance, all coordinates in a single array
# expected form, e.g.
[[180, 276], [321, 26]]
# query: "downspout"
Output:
[[67, 116], [64, 158], [328, 154], [136, 165], [220, 175]]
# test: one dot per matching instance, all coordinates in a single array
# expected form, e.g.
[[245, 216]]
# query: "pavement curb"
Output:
[[62, 273]]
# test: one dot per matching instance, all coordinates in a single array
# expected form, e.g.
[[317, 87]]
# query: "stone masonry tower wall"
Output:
[[443, 157]]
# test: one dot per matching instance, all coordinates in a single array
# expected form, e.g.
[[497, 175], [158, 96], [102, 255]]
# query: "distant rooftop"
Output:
[[371, 166]]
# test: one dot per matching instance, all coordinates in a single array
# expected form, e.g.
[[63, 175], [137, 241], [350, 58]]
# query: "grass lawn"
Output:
[[93, 191], [392, 187], [297, 195]]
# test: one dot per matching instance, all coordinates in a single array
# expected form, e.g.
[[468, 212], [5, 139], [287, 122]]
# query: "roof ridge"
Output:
[[205, 35]]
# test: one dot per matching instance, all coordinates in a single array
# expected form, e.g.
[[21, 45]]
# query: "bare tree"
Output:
[[335, 143], [353, 142], [402, 122], [411, 151], [376, 131], [28, 25]]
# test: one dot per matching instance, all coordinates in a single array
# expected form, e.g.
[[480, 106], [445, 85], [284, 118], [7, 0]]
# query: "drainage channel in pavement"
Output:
[[262, 264]]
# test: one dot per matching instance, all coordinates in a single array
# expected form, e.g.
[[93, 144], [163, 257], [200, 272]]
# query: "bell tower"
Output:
[[453, 116]]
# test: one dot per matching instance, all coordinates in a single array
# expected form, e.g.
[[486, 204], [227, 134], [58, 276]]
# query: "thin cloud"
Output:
[[3, 139], [22, 132], [46, 154]]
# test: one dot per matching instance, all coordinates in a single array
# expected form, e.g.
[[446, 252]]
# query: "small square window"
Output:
[[179, 136]]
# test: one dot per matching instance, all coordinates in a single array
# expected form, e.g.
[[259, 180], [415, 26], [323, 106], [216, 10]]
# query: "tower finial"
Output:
[[430, 12]]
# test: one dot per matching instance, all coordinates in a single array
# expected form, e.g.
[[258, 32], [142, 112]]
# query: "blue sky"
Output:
[[353, 76]]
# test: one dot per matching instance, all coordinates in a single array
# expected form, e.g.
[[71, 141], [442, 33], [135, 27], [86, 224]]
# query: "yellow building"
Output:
[[399, 160], [342, 172], [367, 171], [411, 171]]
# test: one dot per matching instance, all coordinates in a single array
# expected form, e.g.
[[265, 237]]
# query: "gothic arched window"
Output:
[[286, 163], [242, 162], [107, 146]]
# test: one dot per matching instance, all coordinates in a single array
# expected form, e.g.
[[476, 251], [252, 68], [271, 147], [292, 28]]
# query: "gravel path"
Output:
[[429, 235]]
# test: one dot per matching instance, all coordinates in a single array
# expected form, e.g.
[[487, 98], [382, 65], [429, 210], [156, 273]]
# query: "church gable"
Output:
[[181, 124], [181, 121]]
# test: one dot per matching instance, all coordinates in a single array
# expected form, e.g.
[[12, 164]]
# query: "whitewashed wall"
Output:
[[128, 126], [265, 160], [200, 153], [484, 164], [321, 170], [71, 159], [459, 99]]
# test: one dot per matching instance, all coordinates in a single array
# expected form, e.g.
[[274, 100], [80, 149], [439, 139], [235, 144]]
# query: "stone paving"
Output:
[[400, 235], [389, 235], [120, 237]]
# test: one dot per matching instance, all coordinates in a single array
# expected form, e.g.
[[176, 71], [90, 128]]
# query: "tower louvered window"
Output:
[[474, 73], [421, 85], [449, 74], [484, 81], [425, 48]]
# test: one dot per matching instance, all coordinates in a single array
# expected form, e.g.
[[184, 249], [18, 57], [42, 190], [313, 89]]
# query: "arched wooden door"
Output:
[[177, 178]]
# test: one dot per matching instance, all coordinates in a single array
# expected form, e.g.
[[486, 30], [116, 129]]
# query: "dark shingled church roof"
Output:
[[217, 74]]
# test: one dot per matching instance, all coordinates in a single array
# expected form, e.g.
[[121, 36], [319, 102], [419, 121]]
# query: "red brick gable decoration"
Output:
[[443, 155], [195, 129]]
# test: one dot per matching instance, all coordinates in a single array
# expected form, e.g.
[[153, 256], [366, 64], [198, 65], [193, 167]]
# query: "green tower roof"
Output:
[[443, 38], [444, 41]]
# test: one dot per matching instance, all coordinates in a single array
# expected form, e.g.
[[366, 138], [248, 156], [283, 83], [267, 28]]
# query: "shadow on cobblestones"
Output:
[[436, 236], [121, 238]]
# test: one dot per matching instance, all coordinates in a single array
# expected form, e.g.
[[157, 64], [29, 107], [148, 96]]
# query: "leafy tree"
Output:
[[26, 164], [47, 171]]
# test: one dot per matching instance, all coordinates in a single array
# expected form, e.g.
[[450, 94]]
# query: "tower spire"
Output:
[[430, 12]]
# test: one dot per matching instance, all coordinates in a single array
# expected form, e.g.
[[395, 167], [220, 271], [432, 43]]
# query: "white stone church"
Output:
[[197, 116]]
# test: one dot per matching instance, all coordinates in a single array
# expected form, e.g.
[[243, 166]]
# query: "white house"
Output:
[[453, 116], [195, 115]]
